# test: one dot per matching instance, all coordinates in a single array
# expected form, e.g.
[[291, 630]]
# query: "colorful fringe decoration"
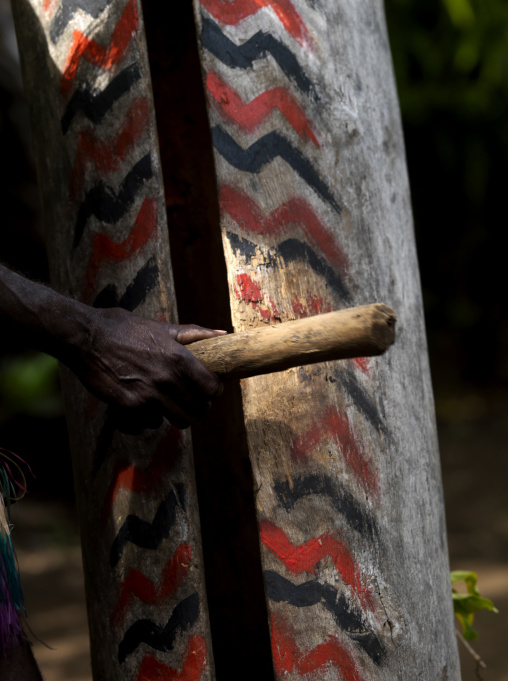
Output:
[[11, 597]]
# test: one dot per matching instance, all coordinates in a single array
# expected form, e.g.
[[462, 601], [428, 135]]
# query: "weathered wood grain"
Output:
[[364, 331], [88, 84], [316, 217]]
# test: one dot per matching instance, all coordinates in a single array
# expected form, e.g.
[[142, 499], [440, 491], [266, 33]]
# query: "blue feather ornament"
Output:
[[11, 596]]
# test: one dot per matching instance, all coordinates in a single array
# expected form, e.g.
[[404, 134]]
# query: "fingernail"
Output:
[[219, 391], [221, 331]]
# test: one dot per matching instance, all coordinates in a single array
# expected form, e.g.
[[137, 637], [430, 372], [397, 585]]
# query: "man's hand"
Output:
[[142, 367], [138, 366]]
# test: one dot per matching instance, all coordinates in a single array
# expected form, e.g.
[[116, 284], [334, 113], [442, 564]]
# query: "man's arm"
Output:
[[124, 360]]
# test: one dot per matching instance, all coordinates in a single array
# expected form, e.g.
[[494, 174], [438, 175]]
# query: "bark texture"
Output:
[[88, 85], [315, 216]]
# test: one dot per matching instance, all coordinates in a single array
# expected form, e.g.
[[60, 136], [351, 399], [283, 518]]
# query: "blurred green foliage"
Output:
[[451, 64], [29, 384], [450, 55]]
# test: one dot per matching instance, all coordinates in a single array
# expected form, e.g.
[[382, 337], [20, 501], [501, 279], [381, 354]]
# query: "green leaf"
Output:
[[467, 630], [29, 384], [465, 605], [470, 578]]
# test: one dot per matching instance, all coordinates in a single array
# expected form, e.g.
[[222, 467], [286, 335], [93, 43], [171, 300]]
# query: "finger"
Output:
[[189, 333], [197, 381]]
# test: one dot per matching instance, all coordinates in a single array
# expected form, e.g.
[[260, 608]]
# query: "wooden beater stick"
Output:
[[356, 332]]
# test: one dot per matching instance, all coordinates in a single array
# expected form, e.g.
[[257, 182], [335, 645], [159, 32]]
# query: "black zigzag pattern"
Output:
[[102, 202], [266, 149], [258, 47], [361, 398], [136, 292], [280, 589], [293, 250], [145, 534], [162, 638], [68, 8], [355, 514], [95, 104]]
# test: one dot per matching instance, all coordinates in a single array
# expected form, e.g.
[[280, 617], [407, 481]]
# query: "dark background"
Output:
[[451, 63]]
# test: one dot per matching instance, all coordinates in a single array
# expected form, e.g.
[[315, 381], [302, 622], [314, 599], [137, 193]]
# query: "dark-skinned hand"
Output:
[[137, 366], [143, 370]]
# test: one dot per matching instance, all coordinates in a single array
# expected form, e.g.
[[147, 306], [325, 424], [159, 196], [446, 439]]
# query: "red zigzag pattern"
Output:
[[288, 658], [249, 116], [108, 155], [104, 249], [232, 12], [136, 479], [245, 212], [138, 585], [333, 425], [102, 57], [192, 669], [306, 556]]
